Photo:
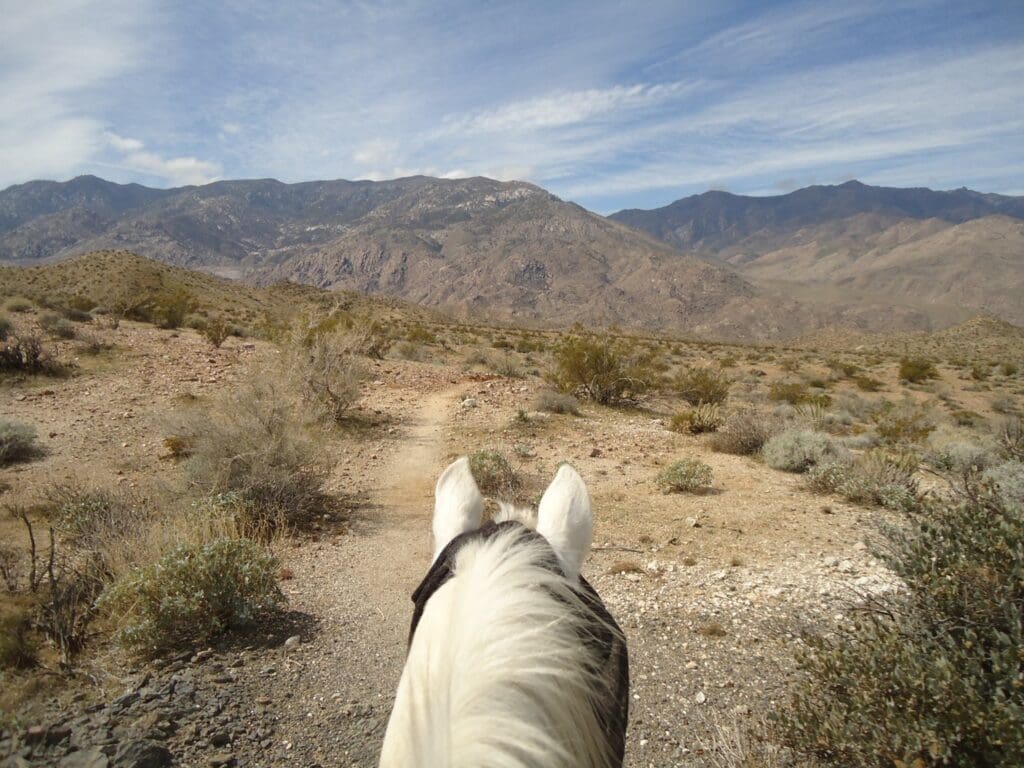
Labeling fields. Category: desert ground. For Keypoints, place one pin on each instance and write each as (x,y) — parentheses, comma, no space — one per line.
(715,590)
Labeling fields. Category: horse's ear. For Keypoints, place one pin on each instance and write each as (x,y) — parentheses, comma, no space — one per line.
(564,519)
(458,505)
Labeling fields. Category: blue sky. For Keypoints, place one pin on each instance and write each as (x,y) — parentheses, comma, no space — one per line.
(609,104)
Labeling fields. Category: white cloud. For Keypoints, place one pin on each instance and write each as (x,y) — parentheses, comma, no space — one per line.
(176,171)
(53,55)
(566,108)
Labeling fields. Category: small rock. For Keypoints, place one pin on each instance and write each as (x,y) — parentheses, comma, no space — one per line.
(693,522)
(292,643)
(595,453)
(202,655)
(221,759)
(85,758)
(220,739)
(142,754)
(700,698)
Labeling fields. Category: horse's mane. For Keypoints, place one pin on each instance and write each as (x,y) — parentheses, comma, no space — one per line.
(510,666)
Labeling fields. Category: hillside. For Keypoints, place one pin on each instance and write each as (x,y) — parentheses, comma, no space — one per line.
(948,255)
(512,251)
(120,278)
(500,248)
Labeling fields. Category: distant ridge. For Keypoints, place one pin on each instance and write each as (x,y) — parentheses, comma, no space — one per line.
(514,250)
(948,254)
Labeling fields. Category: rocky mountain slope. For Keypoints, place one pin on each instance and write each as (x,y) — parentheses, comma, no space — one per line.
(946,254)
(501,249)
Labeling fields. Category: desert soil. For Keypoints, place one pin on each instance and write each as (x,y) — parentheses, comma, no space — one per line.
(714,591)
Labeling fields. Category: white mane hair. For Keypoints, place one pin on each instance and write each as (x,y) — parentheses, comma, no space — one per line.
(499,673)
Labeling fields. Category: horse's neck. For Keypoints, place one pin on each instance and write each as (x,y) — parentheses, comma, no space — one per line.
(497,674)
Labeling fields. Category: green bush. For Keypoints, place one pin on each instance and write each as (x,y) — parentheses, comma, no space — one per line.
(876,478)
(903,423)
(557,402)
(1011,439)
(699,386)
(796,393)
(704,418)
(194,594)
(744,432)
(600,369)
(932,676)
(917,369)
(57,325)
(492,472)
(17,442)
(216,331)
(172,307)
(797,450)
(687,475)
(18,305)
(867,383)
(1007,479)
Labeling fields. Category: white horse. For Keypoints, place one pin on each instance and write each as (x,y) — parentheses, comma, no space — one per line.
(513,660)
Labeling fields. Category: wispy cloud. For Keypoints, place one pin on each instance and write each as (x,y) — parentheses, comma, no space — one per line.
(603,102)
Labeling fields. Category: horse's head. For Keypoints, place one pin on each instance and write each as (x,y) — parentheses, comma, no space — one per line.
(563,516)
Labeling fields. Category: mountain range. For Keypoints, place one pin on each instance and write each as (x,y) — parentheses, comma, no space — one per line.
(715,264)
(946,254)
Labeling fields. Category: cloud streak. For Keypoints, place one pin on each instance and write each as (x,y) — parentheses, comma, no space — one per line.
(600,102)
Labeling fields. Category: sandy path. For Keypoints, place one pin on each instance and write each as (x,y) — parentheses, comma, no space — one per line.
(332,696)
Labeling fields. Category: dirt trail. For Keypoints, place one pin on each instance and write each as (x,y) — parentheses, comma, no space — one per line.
(332,696)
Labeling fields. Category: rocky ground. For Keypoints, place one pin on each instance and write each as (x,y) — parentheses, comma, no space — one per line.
(714,591)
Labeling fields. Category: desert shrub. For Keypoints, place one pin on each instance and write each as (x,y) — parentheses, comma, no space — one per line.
(826,477)
(57,325)
(81,304)
(17,645)
(216,331)
(250,442)
(881,478)
(557,402)
(5,328)
(409,350)
(599,368)
(96,518)
(744,432)
(797,450)
(794,393)
(960,458)
(192,595)
(966,418)
(904,423)
(76,315)
(17,442)
(867,383)
(171,307)
(1008,369)
(687,475)
(980,371)
(1003,404)
(1007,479)
(492,472)
(930,676)
(329,376)
(26,353)
(418,334)
(506,365)
(18,304)
(703,385)
(1011,439)
(706,417)
(917,369)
